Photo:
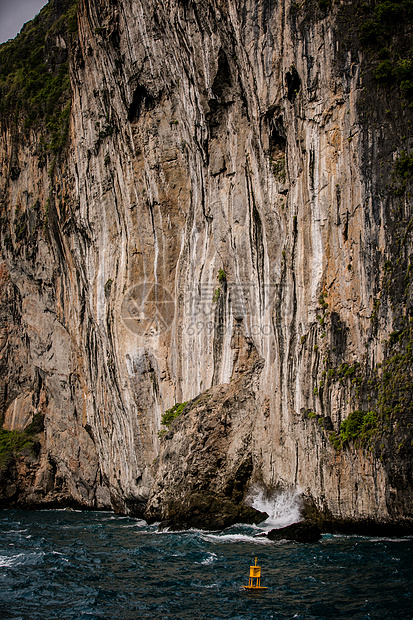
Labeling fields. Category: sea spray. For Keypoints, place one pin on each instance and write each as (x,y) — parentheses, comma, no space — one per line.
(283,508)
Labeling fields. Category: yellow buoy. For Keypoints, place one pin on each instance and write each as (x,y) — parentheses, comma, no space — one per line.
(255,578)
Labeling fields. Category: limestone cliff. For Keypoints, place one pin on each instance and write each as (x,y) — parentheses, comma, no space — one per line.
(228,216)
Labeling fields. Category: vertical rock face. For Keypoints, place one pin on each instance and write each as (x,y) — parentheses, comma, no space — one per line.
(219,203)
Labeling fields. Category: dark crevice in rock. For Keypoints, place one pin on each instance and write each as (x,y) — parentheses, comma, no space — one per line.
(235,487)
(220,325)
(345,229)
(292,344)
(277,141)
(141,100)
(293,83)
(222,83)
(338,339)
(256,233)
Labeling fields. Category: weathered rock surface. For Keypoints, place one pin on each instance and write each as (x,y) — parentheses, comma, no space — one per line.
(205,464)
(228,135)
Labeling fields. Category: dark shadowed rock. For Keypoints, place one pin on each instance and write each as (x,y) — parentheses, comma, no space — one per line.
(305,531)
(378,526)
(209,512)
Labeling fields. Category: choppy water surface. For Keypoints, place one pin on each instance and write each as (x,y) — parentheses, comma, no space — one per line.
(71,565)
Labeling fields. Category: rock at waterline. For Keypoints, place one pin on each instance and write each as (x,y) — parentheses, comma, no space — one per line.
(304,531)
(209,512)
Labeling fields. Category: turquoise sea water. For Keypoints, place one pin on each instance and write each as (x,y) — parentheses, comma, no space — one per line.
(70,565)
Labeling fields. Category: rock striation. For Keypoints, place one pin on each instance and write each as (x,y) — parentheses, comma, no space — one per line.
(226,222)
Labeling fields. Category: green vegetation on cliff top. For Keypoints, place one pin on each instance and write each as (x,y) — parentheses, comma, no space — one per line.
(34,73)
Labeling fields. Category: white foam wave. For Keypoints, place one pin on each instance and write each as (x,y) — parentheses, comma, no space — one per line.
(7,561)
(282,508)
(137,523)
(224,538)
(212,557)
(212,585)
(167,530)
